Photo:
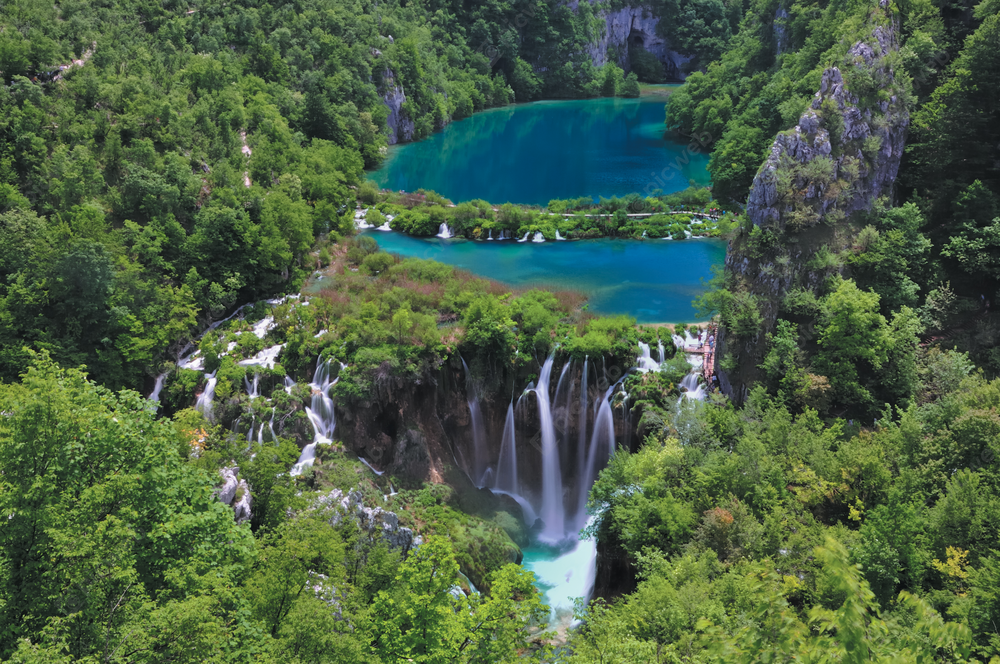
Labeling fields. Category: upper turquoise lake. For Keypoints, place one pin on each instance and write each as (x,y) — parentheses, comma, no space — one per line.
(533,153)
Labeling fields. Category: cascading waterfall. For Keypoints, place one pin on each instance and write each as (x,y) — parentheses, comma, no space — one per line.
(553,511)
(253,389)
(645,360)
(526,236)
(204,403)
(691,388)
(538,237)
(321,415)
(559,237)
(444,232)
(663,354)
(480,471)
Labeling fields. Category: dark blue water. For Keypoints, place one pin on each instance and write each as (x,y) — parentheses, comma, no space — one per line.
(532,153)
(652,280)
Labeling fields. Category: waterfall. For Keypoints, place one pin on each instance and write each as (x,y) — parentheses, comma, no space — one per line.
(691,389)
(204,402)
(444,232)
(253,390)
(321,415)
(384,227)
(158,387)
(602,446)
(480,463)
(289,384)
(525,238)
(490,236)
(552,499)
(659,347)
(559,237)
(581,446)
(538,237)
(506,479)
(645,360)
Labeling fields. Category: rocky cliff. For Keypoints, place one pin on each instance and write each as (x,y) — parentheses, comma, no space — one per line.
(400,125)
(819,176)
(633,26)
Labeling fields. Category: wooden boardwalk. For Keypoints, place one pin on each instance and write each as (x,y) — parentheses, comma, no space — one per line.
(707,351)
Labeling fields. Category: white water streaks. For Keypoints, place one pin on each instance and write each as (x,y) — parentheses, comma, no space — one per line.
(266,358)
(444,232)
(506,477)
(158,387)
(559,237)
(645,362)
(538,237)
(553,510)
(479,472)
(384,227)
(204,403)
(321,415)
(691,388)
(253,389)
(525,238)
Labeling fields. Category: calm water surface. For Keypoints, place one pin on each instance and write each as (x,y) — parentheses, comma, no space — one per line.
(653,280)
(532,153)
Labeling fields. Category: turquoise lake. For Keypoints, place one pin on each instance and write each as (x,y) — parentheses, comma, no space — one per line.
(532,153)
(653,280)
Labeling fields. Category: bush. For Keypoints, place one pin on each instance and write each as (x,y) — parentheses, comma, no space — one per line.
(377,263)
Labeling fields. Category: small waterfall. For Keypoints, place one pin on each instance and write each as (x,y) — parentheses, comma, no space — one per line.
(289,384)
(321,415)
(553,512)
(663,354)
(204,403)
(384,227)
(253,389)
(691,388)
(480,470)
(538,237)
(444,232)
(158,387)
(645,360)
(265,358)
(506,479)
(270,426)
(525,238)
(559,237)
(490,235)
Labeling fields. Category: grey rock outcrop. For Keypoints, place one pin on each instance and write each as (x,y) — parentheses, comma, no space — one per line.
(400,126)
(843,155)
(235,493)
(634,26)
(374,522)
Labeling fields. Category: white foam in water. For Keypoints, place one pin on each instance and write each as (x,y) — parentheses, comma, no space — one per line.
(563,576)
(384,227)
(538,237)
(265,358)
(263,326)
(444,232)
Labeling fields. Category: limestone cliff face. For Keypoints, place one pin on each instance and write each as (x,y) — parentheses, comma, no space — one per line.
(843,155)
(631,26)
(400,125)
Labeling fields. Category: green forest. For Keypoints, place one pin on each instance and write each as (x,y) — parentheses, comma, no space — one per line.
(179,191)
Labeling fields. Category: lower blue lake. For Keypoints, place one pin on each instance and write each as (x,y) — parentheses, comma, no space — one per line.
(533,153)
(652,280)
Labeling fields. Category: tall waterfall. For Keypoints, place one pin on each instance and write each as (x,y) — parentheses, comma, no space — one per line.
(602,446)
(506,479)
(480,471)
(553,511)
